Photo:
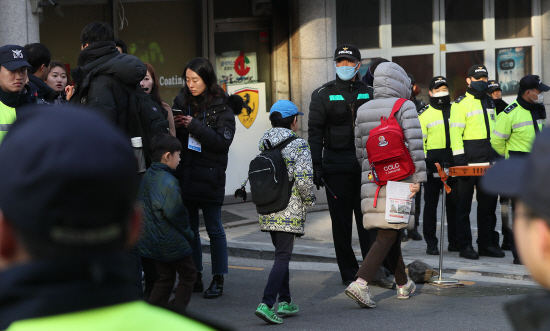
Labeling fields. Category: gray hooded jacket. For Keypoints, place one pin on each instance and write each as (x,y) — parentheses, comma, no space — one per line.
(390,83)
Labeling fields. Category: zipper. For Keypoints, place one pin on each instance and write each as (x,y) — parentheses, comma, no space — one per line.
(274,171)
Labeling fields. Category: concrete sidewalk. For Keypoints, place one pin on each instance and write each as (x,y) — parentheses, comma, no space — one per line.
(244,239)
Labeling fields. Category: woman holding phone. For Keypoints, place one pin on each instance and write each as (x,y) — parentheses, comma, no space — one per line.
(150,85)
(206,129)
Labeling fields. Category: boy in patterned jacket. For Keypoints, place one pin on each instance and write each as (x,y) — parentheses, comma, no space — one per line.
(285,225)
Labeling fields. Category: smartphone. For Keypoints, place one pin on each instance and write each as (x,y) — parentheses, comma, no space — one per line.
(176,112)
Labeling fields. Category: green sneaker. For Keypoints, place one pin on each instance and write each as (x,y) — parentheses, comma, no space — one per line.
(268,314)
(287,308)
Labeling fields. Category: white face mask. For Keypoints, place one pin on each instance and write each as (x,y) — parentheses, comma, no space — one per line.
(440,94)
(540,98)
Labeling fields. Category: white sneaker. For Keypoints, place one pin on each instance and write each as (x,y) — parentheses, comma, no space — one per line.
(404,291)
(360,294)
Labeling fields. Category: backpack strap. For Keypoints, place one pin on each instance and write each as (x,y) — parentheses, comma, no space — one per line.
(282,145)
(397,106)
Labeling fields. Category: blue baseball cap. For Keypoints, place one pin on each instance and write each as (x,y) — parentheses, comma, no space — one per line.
(286,108)
(13,57)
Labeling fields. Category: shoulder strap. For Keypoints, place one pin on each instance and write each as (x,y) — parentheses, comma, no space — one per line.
(397,106)
(286,142)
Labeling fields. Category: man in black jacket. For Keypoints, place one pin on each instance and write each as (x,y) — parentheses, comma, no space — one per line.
(332,114)
(103,76)
(39,59)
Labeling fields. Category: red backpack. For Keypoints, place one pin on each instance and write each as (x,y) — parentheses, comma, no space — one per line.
(387,153)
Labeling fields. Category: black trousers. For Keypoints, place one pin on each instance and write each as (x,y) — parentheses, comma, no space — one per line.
(347,188)
(278,282)
(151,275)
(162,290)
(486,213)
(432,189)
(417,201)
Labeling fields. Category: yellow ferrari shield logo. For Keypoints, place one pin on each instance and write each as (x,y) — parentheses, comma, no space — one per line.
(251,103)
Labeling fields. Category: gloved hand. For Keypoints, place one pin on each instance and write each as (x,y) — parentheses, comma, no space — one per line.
(317,176)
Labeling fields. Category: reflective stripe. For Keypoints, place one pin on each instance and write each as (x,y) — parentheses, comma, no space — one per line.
(522,124)
(336,97)
(425,136)
(501,135)
(363,96)
(460,151)
(490,111)
(541,121)
(458,125)
(474,112)
(434,124)
(479,164)
(5,127)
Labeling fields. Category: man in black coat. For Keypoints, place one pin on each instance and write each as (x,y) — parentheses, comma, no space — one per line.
(332,115)
(39,58)
(104,77)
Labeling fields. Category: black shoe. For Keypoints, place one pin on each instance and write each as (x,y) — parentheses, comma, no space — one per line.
(199,285)
(216,288)
(432,250)
(517,261)
(384,283)
(469,253)
(414,235)
(506,246)
(491,251)
(347,282)
(453,248)
(403,235)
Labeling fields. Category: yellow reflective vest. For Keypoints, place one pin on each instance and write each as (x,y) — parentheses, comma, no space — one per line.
(514,129)
(135,316)
(7,117)
(435,125)
(471,129)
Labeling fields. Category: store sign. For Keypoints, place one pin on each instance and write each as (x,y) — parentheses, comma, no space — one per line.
(171,81)
(236,68)
(251,100)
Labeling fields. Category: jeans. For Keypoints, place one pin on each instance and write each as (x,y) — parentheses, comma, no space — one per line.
(278,282)
(214,228)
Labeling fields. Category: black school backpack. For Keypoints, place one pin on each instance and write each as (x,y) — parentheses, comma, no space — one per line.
(269,183)
(145,119)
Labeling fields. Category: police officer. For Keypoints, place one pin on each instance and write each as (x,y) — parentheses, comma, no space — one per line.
(434,119)
(495,92)
(13,77)
(471,123)
(332,114)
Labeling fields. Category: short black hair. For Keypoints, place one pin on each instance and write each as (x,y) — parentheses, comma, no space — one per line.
(522,91)
(37,55)
(122,45)
(162,143)
(277,120)
(97,31)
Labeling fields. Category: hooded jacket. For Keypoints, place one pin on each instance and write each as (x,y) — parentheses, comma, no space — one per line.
(202,174)
(297,156)
(166,234)
(103,77)
(390,84)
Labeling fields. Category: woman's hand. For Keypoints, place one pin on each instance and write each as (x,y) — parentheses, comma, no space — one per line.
(180,120)
(69,91)
(414,187)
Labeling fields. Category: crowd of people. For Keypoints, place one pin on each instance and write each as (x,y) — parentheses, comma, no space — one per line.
(98,244)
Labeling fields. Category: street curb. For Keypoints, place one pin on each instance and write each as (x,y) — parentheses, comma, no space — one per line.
(299,257)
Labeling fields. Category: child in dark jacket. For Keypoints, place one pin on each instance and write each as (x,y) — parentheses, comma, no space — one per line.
(166,233)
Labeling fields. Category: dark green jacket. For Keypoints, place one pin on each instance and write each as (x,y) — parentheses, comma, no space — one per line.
(166,234)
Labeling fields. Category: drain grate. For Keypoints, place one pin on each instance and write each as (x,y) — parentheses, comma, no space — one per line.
(226,218)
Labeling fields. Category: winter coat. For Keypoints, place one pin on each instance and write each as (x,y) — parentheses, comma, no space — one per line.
(297,156)
(202,174)
(40,92)
(103,77)
(166,234)
(531,313)
(390,83)
(332,114)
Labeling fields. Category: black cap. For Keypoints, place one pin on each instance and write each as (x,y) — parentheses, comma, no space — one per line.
(411,77)
(347,51)
(477,71)
(437,81)
(68,177)
(493,86)
(524,177)
(533,81)
(13,57)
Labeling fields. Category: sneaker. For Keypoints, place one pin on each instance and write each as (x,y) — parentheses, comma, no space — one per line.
(287,308)
(404,291)
(268,314)
(360,294)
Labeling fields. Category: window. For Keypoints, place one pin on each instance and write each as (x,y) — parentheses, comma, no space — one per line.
(463,21)
(457,70)
(411,25)
(358,23)
(512,19)
(421,67)
(512,64)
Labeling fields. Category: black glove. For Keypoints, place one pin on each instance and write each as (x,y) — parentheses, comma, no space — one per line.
(317,176)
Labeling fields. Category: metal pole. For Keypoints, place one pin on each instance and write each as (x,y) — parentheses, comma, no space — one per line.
(439,279)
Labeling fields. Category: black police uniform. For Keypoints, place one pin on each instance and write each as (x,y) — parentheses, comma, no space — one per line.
(332,115)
